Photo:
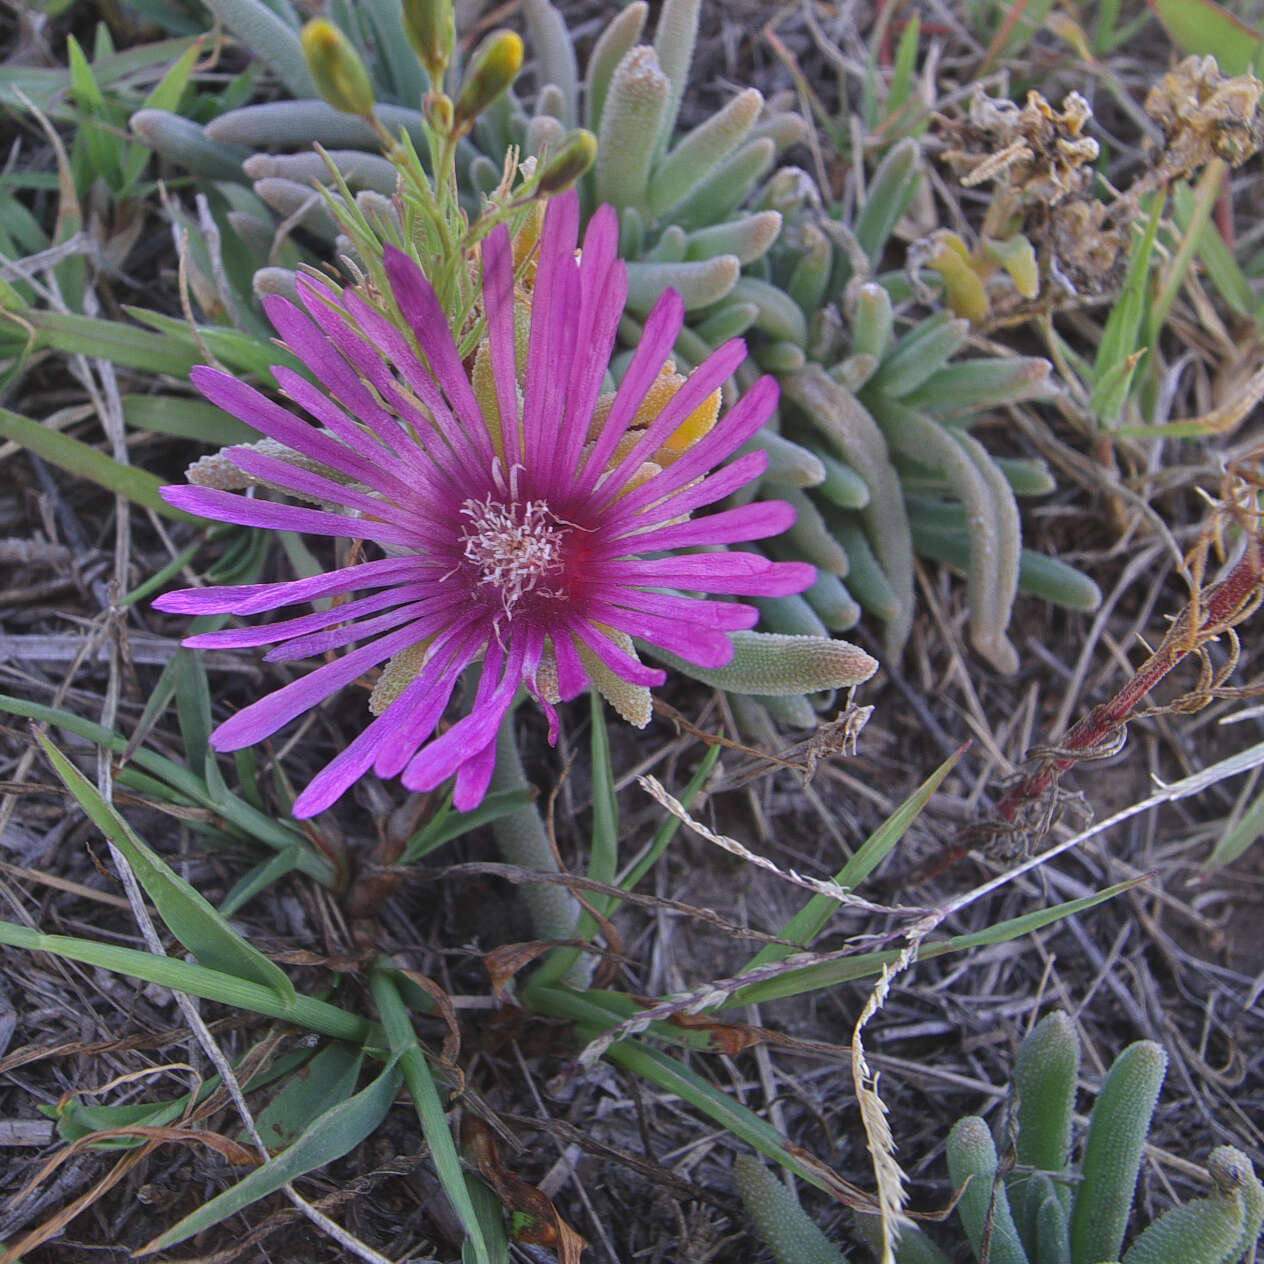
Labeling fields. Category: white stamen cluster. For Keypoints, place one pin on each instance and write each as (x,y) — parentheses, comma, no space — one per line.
(514,545)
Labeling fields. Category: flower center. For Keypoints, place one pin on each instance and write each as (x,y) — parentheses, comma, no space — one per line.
(514,547)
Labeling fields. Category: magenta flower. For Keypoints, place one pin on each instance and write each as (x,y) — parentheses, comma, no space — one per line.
(518,545)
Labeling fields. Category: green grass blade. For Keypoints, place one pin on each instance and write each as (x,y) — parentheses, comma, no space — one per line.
(430,1112)
(335,1133)
(808,922)
(85,461)
(444,826)
(826,974)
(328,1077)
(196,923)
(196,980)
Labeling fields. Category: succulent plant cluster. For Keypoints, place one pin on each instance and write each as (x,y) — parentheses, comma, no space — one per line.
(1045,1211)
(872,439)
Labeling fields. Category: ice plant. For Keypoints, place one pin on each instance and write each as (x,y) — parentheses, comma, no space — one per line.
(538,548)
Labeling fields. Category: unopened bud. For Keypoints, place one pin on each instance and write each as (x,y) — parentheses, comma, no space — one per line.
(336,67)
(432,33)
(492,68)
(568,162)
(437,109)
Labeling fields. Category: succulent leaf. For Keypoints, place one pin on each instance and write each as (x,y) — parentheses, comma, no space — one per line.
(972,1157)
(555,51)
(697,154)
(1045,1075)
(887,198)
(184,141)
(749,238)
(769,663)
(269,38)
(634,111)
(1112,1152)
(611,47)
(699,283)
(729,186)
(784,1226)
(674,40)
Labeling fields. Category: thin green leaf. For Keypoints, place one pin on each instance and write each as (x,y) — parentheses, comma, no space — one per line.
(329,1077)
(430,1112)
(812,978)
(809,921)
(85,461)
(1236,839)
(196,980)
(195,922)
(188,418)
(193,707)
(1202,27)
(444,826)
(113,340)
(335,1133)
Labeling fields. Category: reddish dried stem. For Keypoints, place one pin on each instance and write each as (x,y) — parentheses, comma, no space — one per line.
(1219,607)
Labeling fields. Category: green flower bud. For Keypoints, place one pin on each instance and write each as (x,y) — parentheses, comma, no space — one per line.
(493,67)
(432,33)
(336,67)
(568,162)
(437,109)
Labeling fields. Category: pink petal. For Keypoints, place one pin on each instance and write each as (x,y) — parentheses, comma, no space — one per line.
(428,615)
(747,574)
(261,719)
(730,526)
(621,663)
(572,676)
(498,306)
(705,491)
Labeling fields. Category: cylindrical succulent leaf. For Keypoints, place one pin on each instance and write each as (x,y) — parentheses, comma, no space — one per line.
(914,1247)
(779,1220)
(810,533)
(181,140)
(1112,1152)
(872,320)
(973,386)
(784,129)
(1201,1231)
(697,154)
(788,463)
(779,315)
(280,124)
(359,169)
(1053,1246)
(855,437)
(611,47)
(1230,1170)
(767,663)
(972,1157)
(923,350)
(670,246)
(699,284)
(791,616)
(555,55)
(810,278)
(731,320)
(887,197)
(749,238)
(729,186)
(269,38)
(544,135)
(866,580)
(791,711)
(634,110)
(674,40)
(288,197)
(780,357)
(832,603)
(842,485)
(1045,1075)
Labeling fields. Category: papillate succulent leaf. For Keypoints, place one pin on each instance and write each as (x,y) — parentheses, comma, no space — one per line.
(779,316)
(790,616)
(1045,1075)
(697,154)
(181,140)
(926,348)
(277,124)
(766,663)
(991,517)
(810,278)
(1112,1151)
(842,485)
(788,463)
(729,186)
(674,40)
(972,1158)
(810,534)
(855,437)
(784,129)
(699,284)
(1201,1231)
(791,711)
(269,38)
(866,580)
(887,198)
(780,357)
(832,603)
(289,198)
(974,386)
(872,322)
(670,246)
(730,320)
(555,52)
(1230,1169)
(748,238)
(544,135)
(634,110)
(1052,1244)
(358,169)
(611,47)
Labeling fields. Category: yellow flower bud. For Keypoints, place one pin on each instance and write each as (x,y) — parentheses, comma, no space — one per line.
(432,33)
(336,67)
(493,67)
(568,162)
